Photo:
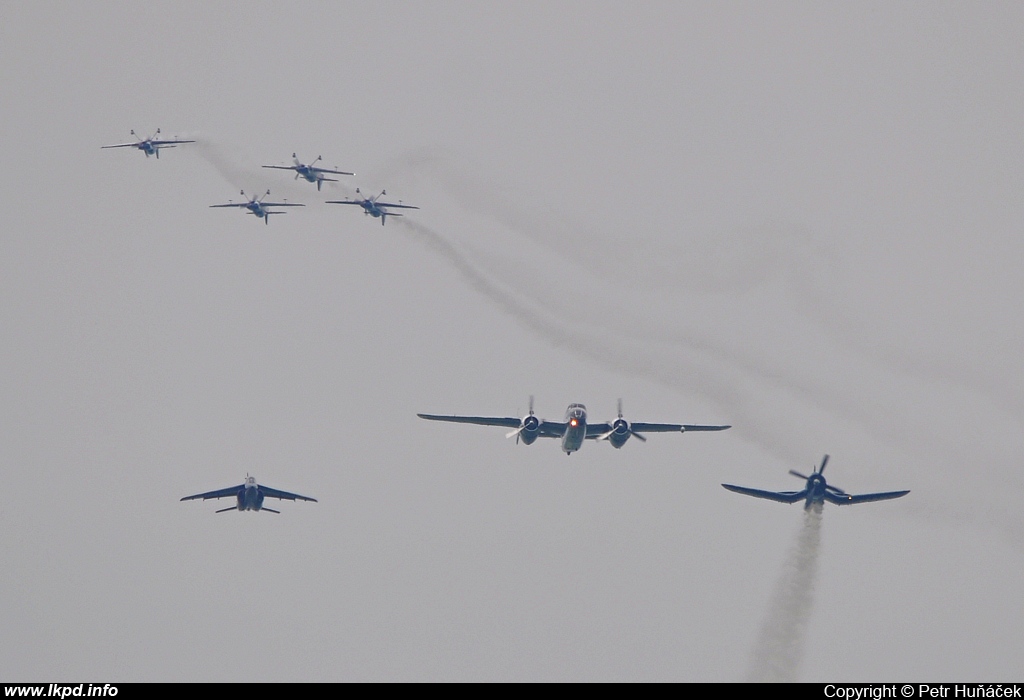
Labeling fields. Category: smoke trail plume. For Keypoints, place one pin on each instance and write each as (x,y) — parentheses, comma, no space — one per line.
(704,371)
(779,647)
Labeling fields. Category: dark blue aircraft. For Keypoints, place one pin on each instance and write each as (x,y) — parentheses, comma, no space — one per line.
(374,207)
(150,146)
(817,491)
(258,207)
(249,495)
(309,172)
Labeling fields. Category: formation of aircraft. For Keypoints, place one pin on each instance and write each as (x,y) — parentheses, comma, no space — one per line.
(258,207)
(816,491)
(373,206)
(249,496)
(574,429)
(310,172)
(150,146)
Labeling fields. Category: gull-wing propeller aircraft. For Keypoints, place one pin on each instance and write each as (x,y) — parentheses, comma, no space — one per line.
(249,496)
(309,172)
(816,492)
(574,429)
(373,206)
(150,146)
(258,207)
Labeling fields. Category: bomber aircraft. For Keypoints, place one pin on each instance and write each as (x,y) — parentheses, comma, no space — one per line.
(574,429)
(150,146)
(309,172)
(816,492)
(258,207)
(249,496)
(373,206)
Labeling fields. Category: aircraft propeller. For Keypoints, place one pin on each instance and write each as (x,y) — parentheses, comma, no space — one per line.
(817,471)
(530,422)
(622,427)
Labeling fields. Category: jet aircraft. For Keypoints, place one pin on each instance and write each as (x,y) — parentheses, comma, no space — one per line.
(574,429)
(816,492)
(150,146)
(258,207)
(309,172)
(249,496)
(374,207)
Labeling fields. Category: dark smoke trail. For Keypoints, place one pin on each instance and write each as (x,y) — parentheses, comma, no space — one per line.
(702,370)
(779,647)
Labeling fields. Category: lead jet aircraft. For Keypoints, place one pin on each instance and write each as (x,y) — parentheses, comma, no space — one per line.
(150,146)
(258,207)
(249,495)
(309,172)
(374,207)
(574,429)
(816,492)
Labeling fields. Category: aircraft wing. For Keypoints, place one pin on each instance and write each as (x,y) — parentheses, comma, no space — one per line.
(282,167)
(672,427)
(284,495)
(344,201)
(237,204)
(121,145)
(332,172)
(781,496)
(845,499)
(280,204)
(167,143)
(395,206)
(221,493)
(549,428)
(475,420)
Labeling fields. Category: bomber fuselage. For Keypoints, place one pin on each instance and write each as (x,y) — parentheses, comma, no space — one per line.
(575,428)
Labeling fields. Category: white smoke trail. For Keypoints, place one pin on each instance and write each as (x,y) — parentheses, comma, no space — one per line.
(779,647)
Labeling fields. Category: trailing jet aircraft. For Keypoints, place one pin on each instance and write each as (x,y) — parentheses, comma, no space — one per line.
(258,207)
(574,429)
(150,146)
(249,495)
(309,172)
(374,207)
(816,492)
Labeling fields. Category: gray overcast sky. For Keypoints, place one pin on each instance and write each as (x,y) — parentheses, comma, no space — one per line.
(800,219)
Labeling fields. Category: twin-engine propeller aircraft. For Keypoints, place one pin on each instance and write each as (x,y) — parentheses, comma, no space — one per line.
(249,495)
(309,172)
(574,429)
(374,207)
(258,207)
(150,146)
(816,492)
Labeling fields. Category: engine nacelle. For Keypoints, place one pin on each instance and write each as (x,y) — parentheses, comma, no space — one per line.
(620,433)
(530,430)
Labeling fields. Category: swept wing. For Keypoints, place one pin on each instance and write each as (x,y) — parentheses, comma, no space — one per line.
(229,492)
(284,495)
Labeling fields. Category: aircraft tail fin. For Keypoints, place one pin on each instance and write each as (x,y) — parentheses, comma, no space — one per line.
(271,510)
